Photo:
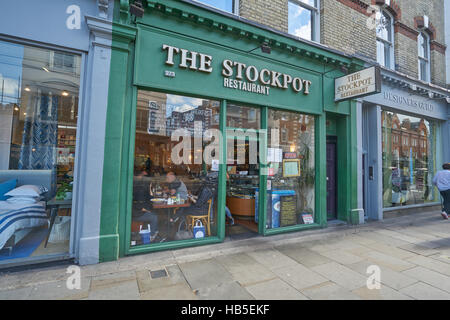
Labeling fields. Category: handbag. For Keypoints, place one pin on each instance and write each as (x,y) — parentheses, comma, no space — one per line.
(199,229)
(183,234)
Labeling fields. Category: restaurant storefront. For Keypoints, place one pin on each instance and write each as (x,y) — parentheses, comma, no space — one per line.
(218,127)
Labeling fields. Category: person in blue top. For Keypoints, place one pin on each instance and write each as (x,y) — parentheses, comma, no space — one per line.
(442,181)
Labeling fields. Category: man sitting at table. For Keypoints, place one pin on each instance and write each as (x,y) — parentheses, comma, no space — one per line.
(141,203)
(176,186)
(199,206)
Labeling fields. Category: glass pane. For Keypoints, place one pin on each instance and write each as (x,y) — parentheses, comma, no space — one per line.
(381,53)
(387,55)
(300,21)
(175,182)
(226,5)
(310,2)
(423,70)
(38,128)
(242,168)
(291,173)
(409,155)
(383,26)
(421,43)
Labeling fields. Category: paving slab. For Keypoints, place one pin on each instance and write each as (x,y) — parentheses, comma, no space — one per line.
(303,255)
(329,291)
(384,293)
(393,263)
(127,290)
(423,291)
(342,257)
(430,277)
(176,292)
(271,258)
(398,235)
(441,256)
(205,273)
(146,283)
(58,291)
(391,250)
(112,279)
(15,294)
(431,264)
(419,249)
(341,275)
(224,291)
(245,269)
(275,289)
(388,277)
(299,276)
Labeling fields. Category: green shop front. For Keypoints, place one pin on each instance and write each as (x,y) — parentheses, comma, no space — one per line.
(218,128)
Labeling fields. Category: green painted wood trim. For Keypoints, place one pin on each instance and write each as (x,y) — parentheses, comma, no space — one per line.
(222,193)
(173,245)
(320,212)
(263,167)
(298,227)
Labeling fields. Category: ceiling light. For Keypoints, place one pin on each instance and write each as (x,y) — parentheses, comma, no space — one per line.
(65,93)
(45,69)
(27,89)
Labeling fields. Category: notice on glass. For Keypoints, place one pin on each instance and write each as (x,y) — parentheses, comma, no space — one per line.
(215,165)
(274,155)
(307,218)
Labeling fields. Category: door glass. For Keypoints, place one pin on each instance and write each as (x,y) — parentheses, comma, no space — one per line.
(242,169)
(291,169)
(175,168)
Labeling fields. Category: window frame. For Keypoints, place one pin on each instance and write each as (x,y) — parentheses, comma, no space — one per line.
(426,60)
(315,18)
(386,42)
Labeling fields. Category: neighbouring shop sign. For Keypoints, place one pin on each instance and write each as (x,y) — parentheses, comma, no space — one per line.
(358,84)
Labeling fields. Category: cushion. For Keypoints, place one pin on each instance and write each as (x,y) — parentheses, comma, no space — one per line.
(27,190)
(6,187)
(22,200)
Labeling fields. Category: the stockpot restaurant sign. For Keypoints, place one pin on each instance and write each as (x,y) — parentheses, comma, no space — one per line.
(183,65)
(358,84)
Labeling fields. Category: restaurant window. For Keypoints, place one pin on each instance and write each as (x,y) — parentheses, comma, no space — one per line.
(408,168)
(291,169)
(230,6)
(384,31)
(424,56)
(175,179)
(303,19)
(38,129)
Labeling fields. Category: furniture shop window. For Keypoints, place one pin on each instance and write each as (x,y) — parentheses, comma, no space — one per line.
(303,19)
(384,31)
(231,6)
(408,168)
(38,129)
(423,42)
(175,181)
(291,169)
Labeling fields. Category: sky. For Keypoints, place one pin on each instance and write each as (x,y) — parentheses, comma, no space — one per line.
(300,20)
(226,5)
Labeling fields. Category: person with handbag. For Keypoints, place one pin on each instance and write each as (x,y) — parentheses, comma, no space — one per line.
(442,181)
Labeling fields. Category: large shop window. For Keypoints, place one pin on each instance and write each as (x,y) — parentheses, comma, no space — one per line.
(38,127)
(303,18)
(291,169)
(175,181)
(409,159)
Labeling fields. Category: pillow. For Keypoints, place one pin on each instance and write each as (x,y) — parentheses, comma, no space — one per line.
(27,190)
(22,200)
(6,187)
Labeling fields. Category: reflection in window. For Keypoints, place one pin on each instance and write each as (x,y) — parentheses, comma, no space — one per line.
(409,155)
(302,16)
(38,128)
(291,173)
(174,184)
(225,5)
(424,60)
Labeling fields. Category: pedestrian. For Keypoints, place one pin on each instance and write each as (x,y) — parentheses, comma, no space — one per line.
(442,181)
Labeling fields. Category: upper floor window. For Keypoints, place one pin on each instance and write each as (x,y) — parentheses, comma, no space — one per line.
(303,19)
(230,6)
(385,47)
(423,42)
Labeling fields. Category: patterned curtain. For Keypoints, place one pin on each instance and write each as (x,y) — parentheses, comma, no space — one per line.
(39,140)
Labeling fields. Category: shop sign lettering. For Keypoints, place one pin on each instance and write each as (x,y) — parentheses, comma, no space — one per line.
(237,75)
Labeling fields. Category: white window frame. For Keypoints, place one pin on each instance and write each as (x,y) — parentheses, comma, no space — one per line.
(235,6)
(386,42)
(426,38)
(315,17)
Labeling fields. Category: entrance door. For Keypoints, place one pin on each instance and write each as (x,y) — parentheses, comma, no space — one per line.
(331,178)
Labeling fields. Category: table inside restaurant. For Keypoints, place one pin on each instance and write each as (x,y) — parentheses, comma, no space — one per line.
(171,208)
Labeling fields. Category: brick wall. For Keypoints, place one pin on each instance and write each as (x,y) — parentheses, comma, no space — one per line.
(273,13)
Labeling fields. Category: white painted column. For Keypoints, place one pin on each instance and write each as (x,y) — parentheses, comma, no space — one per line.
(91,143)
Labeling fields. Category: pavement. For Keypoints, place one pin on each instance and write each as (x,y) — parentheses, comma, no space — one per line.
(411,253)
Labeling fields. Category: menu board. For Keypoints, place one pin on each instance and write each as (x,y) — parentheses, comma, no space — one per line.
(291,168)
(288,215)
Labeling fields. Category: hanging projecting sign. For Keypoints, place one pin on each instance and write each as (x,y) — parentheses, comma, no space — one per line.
(358,84)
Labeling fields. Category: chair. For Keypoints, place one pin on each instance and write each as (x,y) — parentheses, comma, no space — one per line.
(205,219)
